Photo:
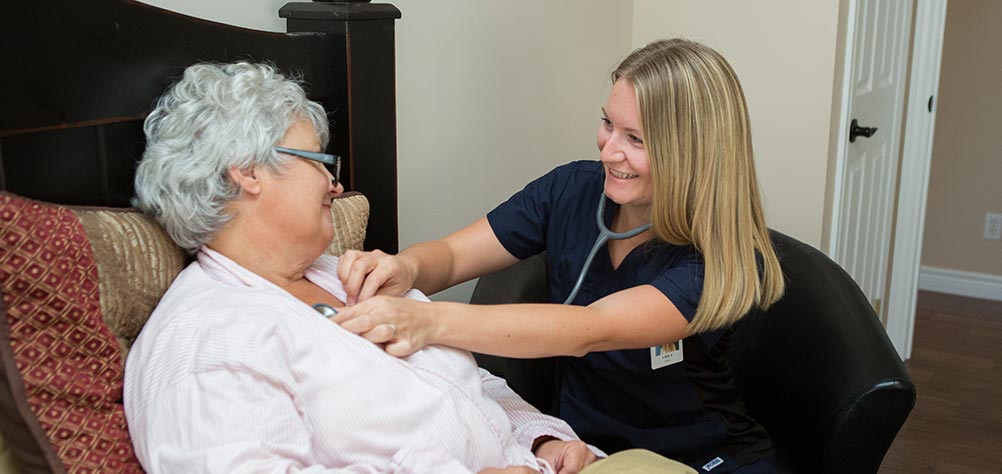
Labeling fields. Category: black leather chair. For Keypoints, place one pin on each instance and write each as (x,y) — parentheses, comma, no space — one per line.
(816,369)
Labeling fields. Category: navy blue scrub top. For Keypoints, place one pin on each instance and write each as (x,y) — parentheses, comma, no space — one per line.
(615,399)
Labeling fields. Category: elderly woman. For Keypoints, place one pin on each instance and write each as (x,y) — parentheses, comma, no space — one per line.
(235,370)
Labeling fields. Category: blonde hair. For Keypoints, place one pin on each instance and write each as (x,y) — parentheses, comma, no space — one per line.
(698,139)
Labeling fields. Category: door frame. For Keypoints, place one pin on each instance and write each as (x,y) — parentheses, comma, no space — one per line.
(920,124)
(916,155)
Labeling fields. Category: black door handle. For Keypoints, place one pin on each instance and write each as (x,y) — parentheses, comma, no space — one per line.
(856,131)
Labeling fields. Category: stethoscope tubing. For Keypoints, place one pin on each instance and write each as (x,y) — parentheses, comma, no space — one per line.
(604,235)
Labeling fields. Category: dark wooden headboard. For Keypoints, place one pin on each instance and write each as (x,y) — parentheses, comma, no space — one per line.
(80,76)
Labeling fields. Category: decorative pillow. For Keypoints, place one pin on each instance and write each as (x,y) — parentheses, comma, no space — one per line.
(65,359)
(78,284)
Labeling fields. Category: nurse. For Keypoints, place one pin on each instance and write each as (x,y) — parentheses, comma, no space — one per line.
(647,336)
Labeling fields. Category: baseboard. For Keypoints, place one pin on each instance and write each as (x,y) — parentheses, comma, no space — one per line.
(957,282)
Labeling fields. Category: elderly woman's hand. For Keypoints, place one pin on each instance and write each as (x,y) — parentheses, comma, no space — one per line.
(403,325)
(566,457)
(366,274)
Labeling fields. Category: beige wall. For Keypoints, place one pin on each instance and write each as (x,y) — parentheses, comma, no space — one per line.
(966,175)
(491,95)
(256,14)
(784,52)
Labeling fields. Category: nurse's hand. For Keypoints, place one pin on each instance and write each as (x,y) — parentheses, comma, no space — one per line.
(366,274)
(566,457)
(403,325)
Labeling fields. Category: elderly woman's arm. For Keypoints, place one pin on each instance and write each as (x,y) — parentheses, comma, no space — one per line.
(548,437)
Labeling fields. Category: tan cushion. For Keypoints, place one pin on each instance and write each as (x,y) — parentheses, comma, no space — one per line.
(351,216)
(136,263)
(637,461)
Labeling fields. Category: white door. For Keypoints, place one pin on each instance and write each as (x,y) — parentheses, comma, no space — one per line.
(864,202)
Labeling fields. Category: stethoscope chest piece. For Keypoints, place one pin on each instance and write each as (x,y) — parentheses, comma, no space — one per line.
(326,310)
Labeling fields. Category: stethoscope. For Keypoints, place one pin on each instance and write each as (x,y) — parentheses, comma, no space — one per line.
(604,235)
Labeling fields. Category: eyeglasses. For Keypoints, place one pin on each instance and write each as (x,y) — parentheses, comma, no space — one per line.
(331,162)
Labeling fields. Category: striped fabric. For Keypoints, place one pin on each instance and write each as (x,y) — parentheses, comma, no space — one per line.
(350,214)
(136,262)
(232,374)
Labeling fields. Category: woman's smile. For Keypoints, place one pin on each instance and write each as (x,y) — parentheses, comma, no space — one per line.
(621,175)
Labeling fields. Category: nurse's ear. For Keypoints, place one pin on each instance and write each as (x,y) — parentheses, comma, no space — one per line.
(248,179)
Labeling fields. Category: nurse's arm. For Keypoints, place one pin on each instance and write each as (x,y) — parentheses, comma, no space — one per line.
(428,266)
(635,318)
(461,256)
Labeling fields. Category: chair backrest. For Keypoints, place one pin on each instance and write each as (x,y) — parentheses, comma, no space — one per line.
(525,282)
(816,369)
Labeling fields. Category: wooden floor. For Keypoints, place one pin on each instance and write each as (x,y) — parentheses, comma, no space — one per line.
(956,365)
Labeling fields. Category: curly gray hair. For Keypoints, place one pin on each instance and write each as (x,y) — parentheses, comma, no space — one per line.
(215,117)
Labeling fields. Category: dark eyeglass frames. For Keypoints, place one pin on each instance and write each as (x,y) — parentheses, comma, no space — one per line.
(331,162)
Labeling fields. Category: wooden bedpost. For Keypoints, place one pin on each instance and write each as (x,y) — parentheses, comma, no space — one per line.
(363,131)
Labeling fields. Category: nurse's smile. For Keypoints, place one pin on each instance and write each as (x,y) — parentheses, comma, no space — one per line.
(617,174)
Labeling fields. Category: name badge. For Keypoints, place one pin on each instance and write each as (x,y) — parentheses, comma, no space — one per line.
(666,354)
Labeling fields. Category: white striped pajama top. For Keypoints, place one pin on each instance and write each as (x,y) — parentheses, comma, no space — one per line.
(233,374)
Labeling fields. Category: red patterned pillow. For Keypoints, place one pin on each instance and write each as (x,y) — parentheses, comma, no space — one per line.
(55,347)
